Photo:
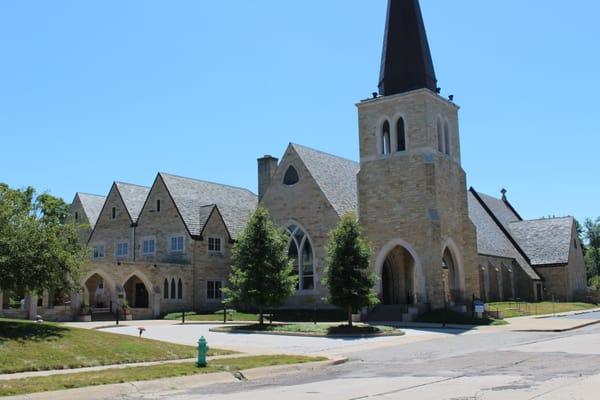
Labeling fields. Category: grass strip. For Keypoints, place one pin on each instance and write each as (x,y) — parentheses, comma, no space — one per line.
(512,309)
(320,329)
(26,346)
(135,374)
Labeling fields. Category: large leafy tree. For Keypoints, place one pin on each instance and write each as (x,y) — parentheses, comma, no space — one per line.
(592,255)
(262,274)
(39,249)
(347,274)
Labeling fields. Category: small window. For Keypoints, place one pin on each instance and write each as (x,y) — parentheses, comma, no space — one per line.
(166,289)
(114,213)
(180,290)
(76,216)
(177,244)
(122,249)
(447,138)
(157,205)
(440,136)
(98,252)
(101,285)
(291,176)
(173,289)
(148,247)
(214,245)
(213,290)
(385,139)
(401,135)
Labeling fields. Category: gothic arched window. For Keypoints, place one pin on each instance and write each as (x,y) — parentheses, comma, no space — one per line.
(401,135)
(447,137)
(385,139)
(301,252)
(440,136)
(166,289)
(291,176)
(173,288)
(179,290)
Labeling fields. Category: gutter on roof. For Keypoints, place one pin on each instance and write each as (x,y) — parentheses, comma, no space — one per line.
(499,224)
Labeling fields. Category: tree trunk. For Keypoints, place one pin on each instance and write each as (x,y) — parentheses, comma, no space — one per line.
(350,316)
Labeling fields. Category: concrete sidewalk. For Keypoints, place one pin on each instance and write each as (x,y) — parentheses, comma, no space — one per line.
(175,386)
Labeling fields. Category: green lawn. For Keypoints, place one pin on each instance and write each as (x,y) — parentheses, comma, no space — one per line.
(451,317)
(26,346)
(83,379)
(319,329)
(518,309)
(217,317)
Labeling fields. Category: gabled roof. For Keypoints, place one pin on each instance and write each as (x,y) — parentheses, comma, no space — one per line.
(493,237)
(134,197)
(501,209)
(193,199)
(546,241)
(336,176)
(92,205)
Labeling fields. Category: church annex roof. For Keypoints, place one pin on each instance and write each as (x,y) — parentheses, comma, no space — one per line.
(493,237)
(336,176)
(196,200)
(134,197)
(92,206)
(546,241)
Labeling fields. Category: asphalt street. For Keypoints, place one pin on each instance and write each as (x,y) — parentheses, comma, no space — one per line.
(487,365)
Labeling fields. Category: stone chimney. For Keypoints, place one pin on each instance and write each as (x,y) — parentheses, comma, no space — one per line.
(267,166)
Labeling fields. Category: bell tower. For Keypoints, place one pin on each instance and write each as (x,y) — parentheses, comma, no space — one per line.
(412,189)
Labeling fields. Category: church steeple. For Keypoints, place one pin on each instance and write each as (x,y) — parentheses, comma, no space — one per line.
(406,62)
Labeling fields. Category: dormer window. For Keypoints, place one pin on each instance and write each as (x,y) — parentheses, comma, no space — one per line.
(291,176)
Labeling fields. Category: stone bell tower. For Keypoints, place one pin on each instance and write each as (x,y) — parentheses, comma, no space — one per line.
(411,187)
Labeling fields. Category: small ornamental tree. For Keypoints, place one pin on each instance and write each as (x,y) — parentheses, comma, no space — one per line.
(262,273)
(347,272)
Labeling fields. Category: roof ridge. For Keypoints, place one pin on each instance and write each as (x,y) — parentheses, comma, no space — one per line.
(570,217)
(323,152)
(90,194)
(209,182)
(131,184)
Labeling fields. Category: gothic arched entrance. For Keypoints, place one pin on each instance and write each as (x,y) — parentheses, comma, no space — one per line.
(398,280)
(136,293)
(451,277)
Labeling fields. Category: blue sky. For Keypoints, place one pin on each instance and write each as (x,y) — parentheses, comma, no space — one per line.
(97,91)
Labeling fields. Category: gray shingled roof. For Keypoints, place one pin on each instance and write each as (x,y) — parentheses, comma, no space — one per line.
(500,209)
(336,176)
(92,205)
(491,240)
(134,197)
(545,241)
(193,196)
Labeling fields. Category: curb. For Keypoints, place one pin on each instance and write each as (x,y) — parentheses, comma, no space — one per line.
(177,384)
(573,328)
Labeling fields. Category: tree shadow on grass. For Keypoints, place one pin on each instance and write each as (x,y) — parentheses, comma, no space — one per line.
(23,332)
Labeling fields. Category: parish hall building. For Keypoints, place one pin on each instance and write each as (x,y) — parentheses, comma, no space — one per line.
(435,243)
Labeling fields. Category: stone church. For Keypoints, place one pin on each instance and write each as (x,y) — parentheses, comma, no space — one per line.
(435,243)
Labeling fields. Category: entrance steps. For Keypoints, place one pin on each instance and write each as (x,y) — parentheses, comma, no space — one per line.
(394,313)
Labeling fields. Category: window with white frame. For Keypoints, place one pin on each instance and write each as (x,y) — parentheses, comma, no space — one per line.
(148,247)
(214,245)
(301,253)
(177,244)
(214,290)
(122,250)
(98,251)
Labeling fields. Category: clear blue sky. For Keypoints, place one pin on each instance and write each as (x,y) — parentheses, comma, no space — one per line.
(97,91)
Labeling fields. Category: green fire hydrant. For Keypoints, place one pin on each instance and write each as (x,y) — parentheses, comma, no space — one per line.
(202,351)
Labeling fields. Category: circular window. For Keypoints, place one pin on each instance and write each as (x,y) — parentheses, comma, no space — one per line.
(291,177)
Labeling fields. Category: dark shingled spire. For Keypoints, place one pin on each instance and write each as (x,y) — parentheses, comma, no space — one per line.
(406,62)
